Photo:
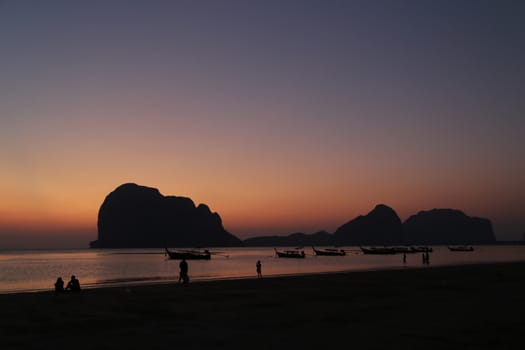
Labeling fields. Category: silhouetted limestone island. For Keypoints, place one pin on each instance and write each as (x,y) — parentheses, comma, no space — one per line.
(134,216)
(381,226)
(447,226)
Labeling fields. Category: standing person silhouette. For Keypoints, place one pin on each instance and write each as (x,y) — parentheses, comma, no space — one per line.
(258,266)
(183,274)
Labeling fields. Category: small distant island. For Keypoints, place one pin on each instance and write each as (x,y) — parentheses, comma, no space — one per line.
(135,216)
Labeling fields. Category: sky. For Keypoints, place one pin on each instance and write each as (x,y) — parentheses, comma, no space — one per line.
(282,116)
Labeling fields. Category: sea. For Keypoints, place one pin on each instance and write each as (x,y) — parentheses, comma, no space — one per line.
(37,270)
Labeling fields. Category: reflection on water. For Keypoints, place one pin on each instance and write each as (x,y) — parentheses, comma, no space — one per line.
(37,270)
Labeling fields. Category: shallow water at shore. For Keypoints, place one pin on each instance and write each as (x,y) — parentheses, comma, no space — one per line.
(37,270)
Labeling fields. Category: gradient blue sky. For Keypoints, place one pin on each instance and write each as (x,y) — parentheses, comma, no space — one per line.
(282,116)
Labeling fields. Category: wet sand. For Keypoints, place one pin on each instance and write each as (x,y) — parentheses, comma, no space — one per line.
(461,307)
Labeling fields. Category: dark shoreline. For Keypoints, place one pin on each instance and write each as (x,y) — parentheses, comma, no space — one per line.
(137,282)
(134,282)
(477,306)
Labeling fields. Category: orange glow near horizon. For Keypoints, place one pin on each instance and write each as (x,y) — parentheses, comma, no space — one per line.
(275,130)
(245,214)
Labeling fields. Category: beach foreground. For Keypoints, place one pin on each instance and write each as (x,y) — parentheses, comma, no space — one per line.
(460,307)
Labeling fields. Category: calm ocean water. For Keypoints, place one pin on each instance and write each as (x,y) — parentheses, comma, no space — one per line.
(38,270)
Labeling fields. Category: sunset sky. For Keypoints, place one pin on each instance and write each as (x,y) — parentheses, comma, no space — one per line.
(282,116)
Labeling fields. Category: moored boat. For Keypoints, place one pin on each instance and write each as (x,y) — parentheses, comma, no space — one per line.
(191,254)
(289,253)
(421,249)
(461,248)
(378,250)
(329,252)
(412,249)
(402,249)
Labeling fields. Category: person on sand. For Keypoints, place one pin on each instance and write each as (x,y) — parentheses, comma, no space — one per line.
(59,285)
(73,284)
(258,266)
(183,274)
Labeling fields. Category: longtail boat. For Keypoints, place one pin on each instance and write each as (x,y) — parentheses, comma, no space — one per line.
(378,250)
(461,248)
(191,254)
(329,251)
(289,253)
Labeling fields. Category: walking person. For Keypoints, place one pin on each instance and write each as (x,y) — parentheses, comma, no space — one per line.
(183,274)
(258,266)
(404,258)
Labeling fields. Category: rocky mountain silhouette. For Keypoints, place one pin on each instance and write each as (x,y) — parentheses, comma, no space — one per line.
(381,226)
(447,226)
(134,216)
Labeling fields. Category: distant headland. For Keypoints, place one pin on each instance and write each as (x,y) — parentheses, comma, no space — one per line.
(382,226)
(134,216)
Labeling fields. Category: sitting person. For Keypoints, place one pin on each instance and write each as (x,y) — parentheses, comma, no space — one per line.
(59,285)
(73,285)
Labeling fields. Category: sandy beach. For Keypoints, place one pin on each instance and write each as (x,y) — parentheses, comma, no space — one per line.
(459,307)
